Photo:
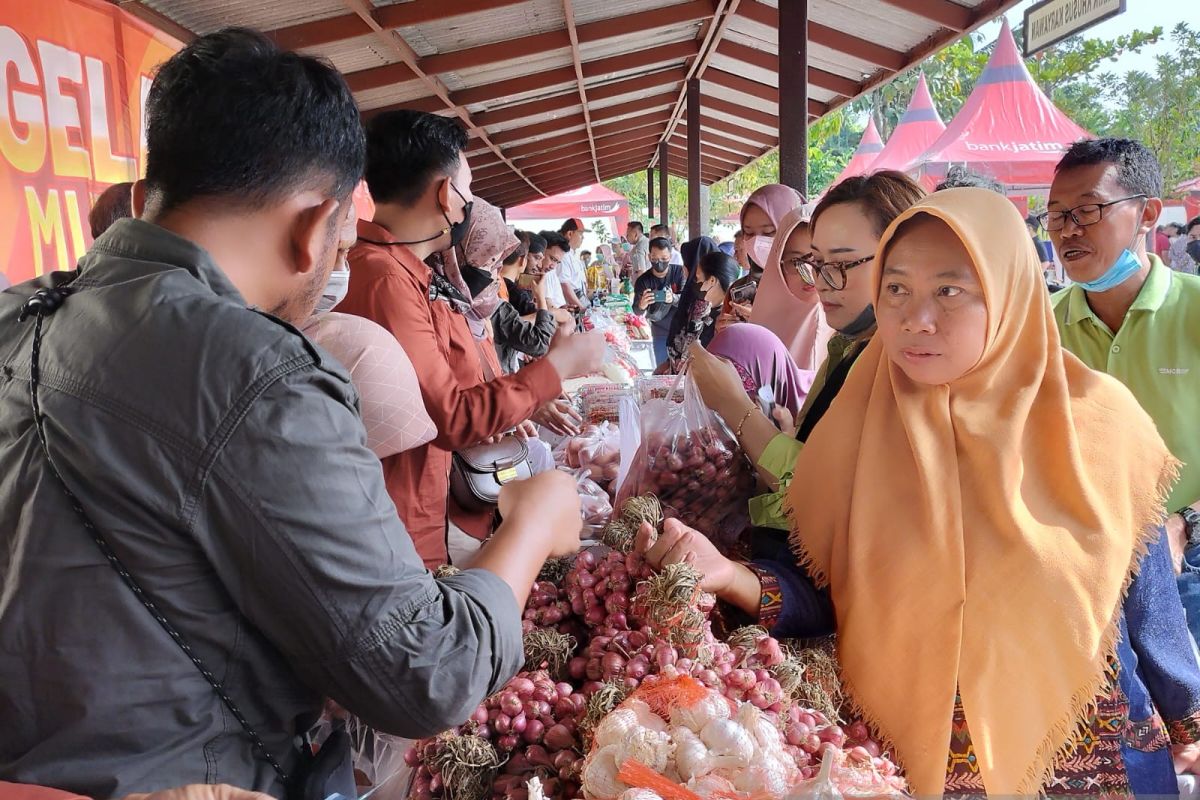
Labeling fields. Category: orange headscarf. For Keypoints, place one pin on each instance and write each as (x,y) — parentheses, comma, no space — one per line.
(980,536)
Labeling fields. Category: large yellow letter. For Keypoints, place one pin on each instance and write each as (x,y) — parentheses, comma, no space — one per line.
(26,153)
(46,228)
(106,166)
(60,64)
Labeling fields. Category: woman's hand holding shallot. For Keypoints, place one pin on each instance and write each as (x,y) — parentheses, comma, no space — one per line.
(679,543)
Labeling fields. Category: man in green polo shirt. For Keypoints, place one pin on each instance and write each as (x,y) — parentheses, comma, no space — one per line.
(1128,314)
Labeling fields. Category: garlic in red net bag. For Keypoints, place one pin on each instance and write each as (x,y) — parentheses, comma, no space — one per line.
(689,459)
(680,740)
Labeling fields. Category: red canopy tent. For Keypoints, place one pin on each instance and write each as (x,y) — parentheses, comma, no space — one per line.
(919,128)
(589,202)
(1007,129)
(862,162)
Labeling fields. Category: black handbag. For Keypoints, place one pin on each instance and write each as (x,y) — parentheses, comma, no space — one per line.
(322,770)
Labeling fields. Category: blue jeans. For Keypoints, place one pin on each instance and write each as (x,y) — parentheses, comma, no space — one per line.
(1189,589)
(660,351)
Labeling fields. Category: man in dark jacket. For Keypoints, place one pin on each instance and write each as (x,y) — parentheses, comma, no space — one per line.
(656,294)
(220,455)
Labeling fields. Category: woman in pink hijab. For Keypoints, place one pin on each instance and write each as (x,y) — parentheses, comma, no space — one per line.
(771,219)
(393,412)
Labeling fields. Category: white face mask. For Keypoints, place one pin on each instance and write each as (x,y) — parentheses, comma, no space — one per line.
(335,290)
(760,250)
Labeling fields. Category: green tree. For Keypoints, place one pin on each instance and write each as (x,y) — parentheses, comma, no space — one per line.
(1160,109)
(1163,109)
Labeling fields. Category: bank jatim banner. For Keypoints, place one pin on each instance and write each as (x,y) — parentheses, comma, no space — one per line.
(74,75)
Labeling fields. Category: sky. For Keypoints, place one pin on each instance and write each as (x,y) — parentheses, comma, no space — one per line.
(1139,15)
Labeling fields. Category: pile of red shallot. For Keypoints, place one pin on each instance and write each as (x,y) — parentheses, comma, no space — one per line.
(598,626)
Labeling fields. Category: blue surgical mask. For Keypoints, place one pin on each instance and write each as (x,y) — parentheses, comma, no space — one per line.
(1125,267)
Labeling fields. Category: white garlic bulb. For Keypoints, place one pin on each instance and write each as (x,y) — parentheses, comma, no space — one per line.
(639,794)
(600,775)
(691,756)
(713,706)
(711,785)
(724,737)
(766,734)
(645,715)
(615,727)
(647,747)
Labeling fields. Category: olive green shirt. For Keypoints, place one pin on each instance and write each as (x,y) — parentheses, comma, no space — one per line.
(779,456)
(1156,353)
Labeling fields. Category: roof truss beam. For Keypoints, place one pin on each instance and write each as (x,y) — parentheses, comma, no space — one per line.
(400,15)
(564,101)
(482,55)
(862,49)
(944,13)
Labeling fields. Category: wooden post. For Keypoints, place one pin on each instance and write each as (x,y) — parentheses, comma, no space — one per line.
(693,153)
(793,93)
(664,204)
(649,194)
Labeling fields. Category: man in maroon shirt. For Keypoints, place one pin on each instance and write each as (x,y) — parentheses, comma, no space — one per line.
(421,185)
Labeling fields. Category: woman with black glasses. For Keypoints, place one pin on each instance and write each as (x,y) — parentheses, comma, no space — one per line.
(846,227)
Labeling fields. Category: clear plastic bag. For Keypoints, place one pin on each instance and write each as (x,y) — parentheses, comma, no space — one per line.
(595,504)
(596,448)
(692,463)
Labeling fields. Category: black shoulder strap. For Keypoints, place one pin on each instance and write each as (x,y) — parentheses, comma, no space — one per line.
(833,384)
(42,304)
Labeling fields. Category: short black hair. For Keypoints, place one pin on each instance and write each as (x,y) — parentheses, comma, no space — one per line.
(537,243)
(660,227)
(1193,222)
(635,224)
(1033,221)
(234,117)
(407,151)
(722,267)
(660,243)
(520,251)
(959,177)
(555,239)
(1138,170)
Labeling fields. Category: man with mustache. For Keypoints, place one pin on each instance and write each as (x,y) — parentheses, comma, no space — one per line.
(1128,314)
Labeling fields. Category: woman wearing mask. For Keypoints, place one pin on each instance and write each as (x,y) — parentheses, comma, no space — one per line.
(846,227)
(761,214)
(985,512)
(714,274)
(487,250)
(389,395)
(691,252)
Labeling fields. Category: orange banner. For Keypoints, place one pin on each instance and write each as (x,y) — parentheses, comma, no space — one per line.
(74,75)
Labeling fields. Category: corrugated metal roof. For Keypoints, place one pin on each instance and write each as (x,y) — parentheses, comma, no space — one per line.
(206,16)
(390,95)
(496,25)
(352,55)
(526,93)
(592,10)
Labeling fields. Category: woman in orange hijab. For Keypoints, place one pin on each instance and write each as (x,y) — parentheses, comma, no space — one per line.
(984,513)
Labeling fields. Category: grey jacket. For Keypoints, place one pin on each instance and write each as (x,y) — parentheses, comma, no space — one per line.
(222,455)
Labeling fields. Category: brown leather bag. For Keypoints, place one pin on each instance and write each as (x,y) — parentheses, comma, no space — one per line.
(478,473)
